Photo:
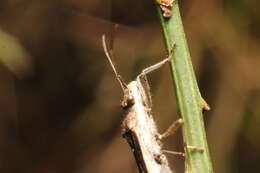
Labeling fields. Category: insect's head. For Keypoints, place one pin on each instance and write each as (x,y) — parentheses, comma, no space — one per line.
(128,99)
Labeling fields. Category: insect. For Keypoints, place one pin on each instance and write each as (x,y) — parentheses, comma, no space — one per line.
(166,7)
(138,127)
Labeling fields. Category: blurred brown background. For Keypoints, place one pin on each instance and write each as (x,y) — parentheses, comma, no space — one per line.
(59,100)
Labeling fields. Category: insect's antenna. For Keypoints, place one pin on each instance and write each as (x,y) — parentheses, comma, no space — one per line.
(109,55)
(112,38)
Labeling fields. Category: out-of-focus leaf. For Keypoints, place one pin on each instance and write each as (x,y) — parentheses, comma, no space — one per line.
(14,56)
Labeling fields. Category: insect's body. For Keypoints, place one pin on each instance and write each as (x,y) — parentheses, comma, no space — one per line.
(138,126)
(140,131)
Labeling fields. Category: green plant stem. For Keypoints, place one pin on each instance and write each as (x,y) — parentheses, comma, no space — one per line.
(189,100)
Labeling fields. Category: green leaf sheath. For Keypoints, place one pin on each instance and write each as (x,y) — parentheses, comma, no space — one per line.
(189,100)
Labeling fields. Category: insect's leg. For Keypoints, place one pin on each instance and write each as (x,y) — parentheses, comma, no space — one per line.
(172,129)
(193,148)
(159,64)
(159,158)
(174,153)
(154,67)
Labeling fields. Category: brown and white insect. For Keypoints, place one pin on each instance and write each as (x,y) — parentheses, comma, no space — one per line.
(138,127)
(166,6)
